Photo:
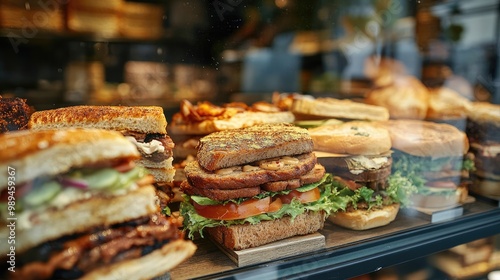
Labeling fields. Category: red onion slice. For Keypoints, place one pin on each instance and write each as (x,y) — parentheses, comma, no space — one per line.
(74,183)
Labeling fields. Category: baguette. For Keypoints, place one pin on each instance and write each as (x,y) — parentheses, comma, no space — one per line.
(239,237)
(339,109)
(240,146)
(142,119)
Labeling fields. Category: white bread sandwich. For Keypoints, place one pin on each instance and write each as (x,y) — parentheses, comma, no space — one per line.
(331,108)
(77,206)
(256,185)
(433,156)
(358,155)
(145,126)
(483,132)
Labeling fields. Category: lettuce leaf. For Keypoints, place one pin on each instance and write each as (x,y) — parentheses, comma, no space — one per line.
(194,222)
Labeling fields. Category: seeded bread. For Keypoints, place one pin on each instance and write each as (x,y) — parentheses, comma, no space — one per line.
(236,177)
(142,119)
(239,237)
(240,146)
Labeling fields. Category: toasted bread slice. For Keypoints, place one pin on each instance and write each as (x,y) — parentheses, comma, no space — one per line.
(250,175)
(239,237)
(143,119)
(241,146)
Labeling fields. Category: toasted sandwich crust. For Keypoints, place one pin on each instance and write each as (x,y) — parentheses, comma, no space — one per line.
(50,152)
(199,177)
(239,237)
(143,119)
(240,146)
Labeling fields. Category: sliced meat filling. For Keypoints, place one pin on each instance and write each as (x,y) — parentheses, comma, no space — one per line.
(146,145)
(72,256)
(225,194)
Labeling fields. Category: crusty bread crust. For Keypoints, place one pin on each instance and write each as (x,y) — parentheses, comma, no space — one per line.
(427,139)
(243,179)
(240,120)
(484,112)
(149,266)
(365,219)
(355,138)
(239,237)
(51,152)
(144,161)
(340,109)
(82,215)
(406,98)
(240,146)
(143,119)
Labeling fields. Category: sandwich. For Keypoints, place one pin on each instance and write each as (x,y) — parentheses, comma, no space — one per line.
(195,121)
(77,206)
(253,186)
(445,105)
(331,108)
(433,156)
(14,114)
(483,132)
(145,126)
(358,155)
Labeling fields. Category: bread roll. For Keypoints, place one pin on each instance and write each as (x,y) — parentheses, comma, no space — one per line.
(355,138)
(363,219)
(445,103)
(406,98)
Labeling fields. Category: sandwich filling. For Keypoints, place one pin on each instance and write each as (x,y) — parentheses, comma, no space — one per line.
(153,147)
(71,257)
(77,184)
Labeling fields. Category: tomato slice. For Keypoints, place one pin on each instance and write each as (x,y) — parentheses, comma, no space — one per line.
(303,197)
(233,211)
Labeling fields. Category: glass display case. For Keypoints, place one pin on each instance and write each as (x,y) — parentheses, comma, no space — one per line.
(62,53)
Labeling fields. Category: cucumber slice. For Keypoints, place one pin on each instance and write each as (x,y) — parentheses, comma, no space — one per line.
(44,193)
(309,124)
(128,177)
(102,179)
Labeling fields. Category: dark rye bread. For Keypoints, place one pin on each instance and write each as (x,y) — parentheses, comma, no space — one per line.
(239,237)
(237,178)
(240,146)
(225,194)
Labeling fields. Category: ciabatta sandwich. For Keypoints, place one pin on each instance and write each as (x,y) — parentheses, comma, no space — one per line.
(77,206)
(247,183)
(433,156)
(358,155)
(145,126)
(483,132)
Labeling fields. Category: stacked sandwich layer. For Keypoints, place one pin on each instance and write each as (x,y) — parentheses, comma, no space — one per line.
(358,155)
(145,126)
(483,131)
(247,183)
(83,208)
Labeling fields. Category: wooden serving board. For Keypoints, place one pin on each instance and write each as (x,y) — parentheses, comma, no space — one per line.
(292,246)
